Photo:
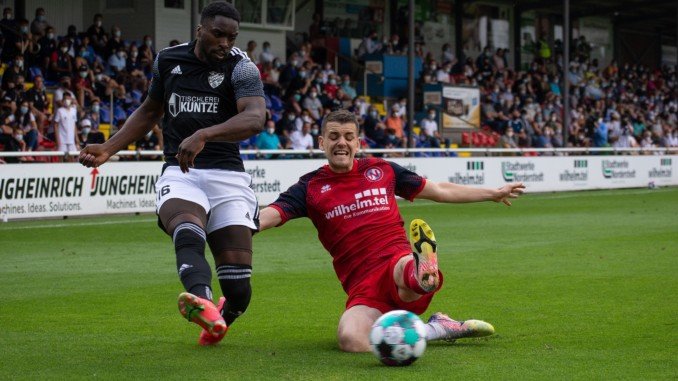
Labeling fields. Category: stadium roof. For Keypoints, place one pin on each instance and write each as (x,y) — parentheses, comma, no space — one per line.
(643,15)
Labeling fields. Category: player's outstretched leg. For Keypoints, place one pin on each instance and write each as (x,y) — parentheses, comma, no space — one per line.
(442,327)
(202,312)
(207,338)
(424,245)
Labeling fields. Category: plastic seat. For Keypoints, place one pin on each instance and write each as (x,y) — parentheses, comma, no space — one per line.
(276,103)
(475,139)
(465,139)
(104,115)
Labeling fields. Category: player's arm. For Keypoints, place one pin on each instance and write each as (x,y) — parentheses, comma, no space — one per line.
(137,125)
(289,205)
(268,218)
(455,193)
(248,122)
(249,92)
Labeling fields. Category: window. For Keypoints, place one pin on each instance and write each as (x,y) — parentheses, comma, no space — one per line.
(119,4)
(175,4)
(279,12)
(275,14)
(250,11)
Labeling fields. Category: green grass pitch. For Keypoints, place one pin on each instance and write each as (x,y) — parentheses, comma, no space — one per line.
(579,285)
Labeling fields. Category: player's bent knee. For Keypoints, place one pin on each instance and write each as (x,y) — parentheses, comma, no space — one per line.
(350,341)
(177,211)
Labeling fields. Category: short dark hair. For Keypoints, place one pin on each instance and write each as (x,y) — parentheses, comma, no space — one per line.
(340,116)
(220,8)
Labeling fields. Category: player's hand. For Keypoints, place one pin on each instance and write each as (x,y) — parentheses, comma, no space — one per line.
(93,155)
(508,191)
(189,149)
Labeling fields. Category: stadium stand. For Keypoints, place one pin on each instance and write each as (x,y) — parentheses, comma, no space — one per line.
(108,75)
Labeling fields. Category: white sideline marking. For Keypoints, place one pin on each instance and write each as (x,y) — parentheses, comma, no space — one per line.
(78,224)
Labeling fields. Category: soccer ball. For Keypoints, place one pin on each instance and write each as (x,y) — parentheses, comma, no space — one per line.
(398,338)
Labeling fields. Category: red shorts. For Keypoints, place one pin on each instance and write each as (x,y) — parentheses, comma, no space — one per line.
(379,290)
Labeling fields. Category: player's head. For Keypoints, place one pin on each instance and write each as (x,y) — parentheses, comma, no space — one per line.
(219,26)
(340,139)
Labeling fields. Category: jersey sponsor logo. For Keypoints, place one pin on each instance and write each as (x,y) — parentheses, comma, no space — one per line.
(192,104)
(215,79)
(176,70)
(374,174)
(367,201)
(325,188)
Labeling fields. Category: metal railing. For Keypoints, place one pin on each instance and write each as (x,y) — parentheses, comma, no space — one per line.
(407,152)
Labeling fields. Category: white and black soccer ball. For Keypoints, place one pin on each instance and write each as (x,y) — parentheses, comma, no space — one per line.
(398,338)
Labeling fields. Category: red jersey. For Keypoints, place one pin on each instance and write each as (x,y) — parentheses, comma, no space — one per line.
(355,213)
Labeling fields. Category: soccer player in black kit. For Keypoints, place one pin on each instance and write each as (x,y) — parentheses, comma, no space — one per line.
(210,97)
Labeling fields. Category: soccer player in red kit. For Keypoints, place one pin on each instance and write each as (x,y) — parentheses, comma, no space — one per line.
(352,204)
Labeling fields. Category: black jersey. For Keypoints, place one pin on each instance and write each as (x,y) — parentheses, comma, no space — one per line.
(196,95)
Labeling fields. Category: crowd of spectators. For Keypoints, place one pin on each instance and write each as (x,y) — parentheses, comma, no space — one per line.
(99,76)
(611,106)
(58,87)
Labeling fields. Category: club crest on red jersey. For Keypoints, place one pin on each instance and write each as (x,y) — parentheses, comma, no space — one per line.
(374,174)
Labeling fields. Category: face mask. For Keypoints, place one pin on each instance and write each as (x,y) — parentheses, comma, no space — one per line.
(297,97)
(121,55)
(8,16)
(431,116)
(434,67)
(99,77)
(374,114)
(294,62)
(50,36)
(67,102)
(19,63)
(333,82)
(83,53)
(292,117)
(24,110)
(83,74)
(148,43)
(302,74)
(134,54)
(95,108)
(314,131)
(86,130)
(117,33)
(98,23)
(64,49)
(41,18)
(24,29)
(313,95)
(19,137)
(271,131)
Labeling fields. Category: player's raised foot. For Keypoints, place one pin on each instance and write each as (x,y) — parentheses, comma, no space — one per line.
(459,329)
(202,312)
(424,245)
(207,338)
